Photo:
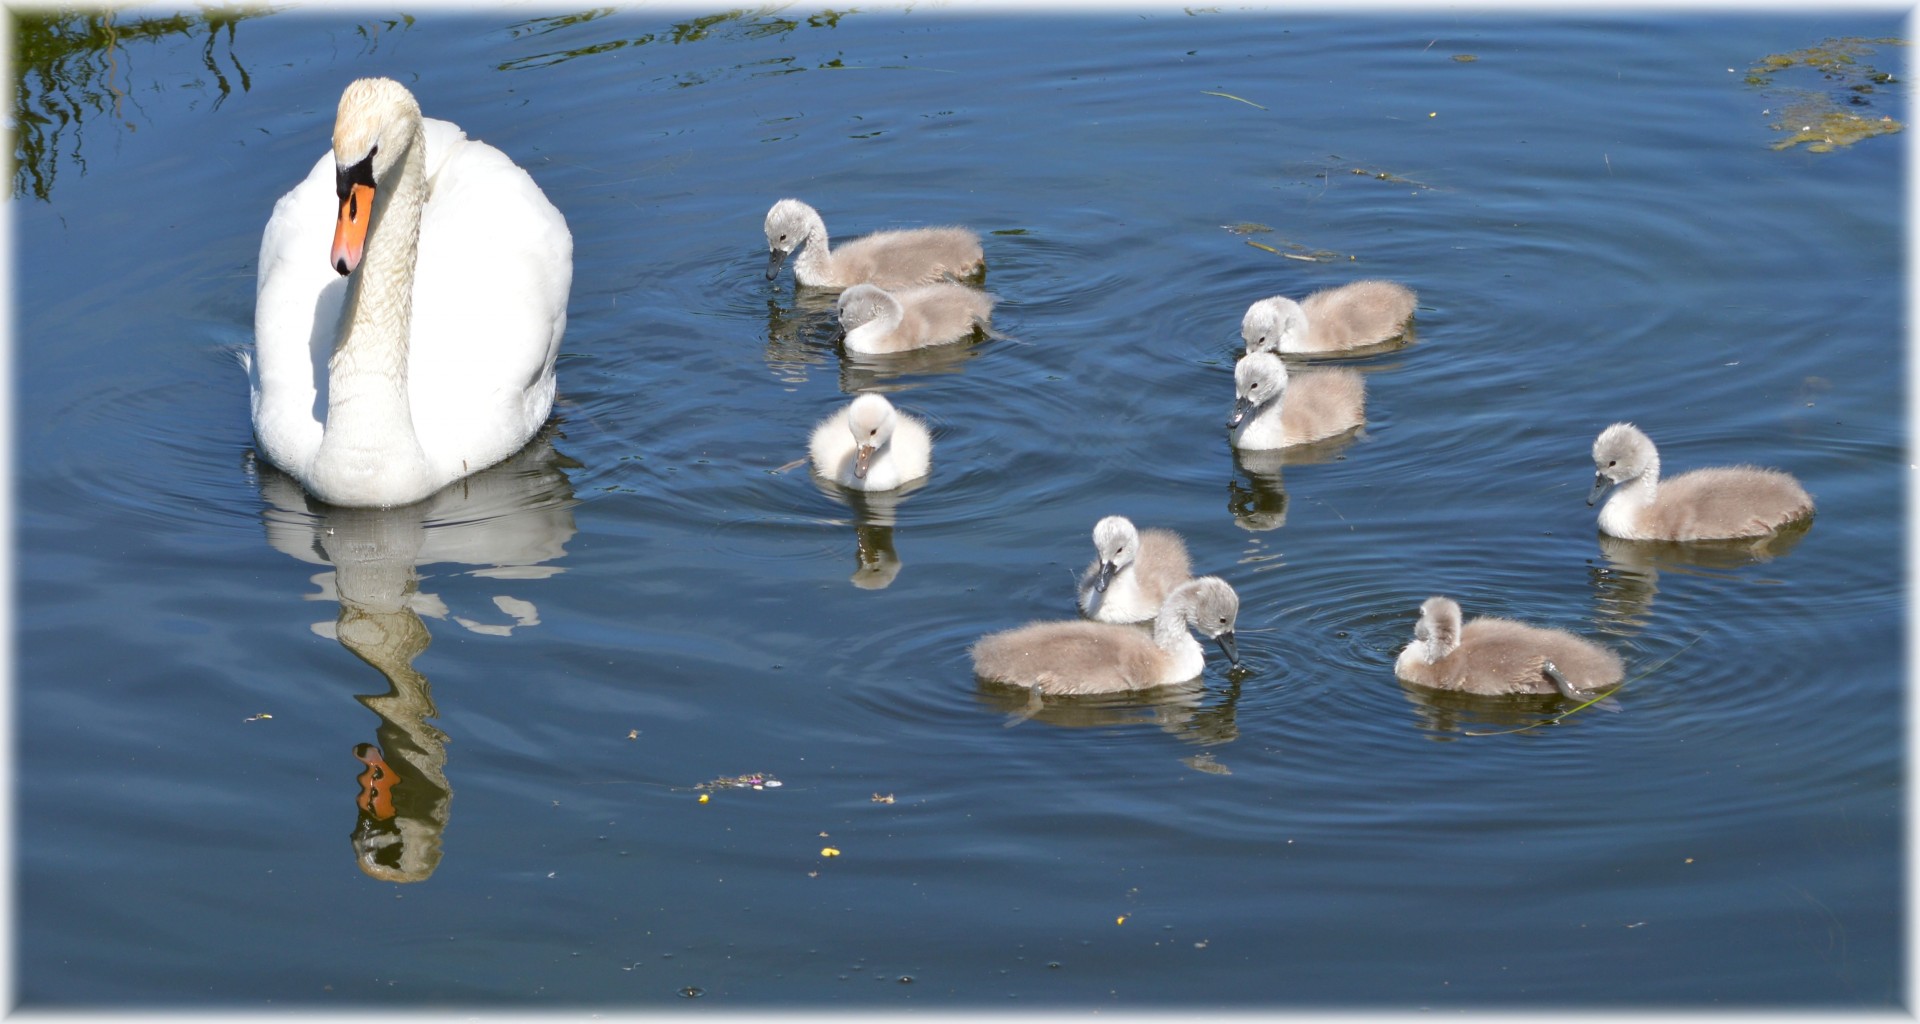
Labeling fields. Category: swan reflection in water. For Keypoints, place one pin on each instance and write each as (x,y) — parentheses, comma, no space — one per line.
(1624,589)
(1261,504)
(507,522)
(876,562)
(1180,710)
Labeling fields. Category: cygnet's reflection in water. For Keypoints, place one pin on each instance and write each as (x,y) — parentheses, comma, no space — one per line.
(1180,710)
(1446,714)
(876,562)
(507,521)
(1261,504)
(1624,589)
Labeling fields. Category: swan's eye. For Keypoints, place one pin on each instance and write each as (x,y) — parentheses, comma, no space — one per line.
(1254,386)
(1612,463)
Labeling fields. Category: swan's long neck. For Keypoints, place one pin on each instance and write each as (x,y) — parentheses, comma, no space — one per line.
(814,256)
(1170,632)
(369,429)
(1620,516)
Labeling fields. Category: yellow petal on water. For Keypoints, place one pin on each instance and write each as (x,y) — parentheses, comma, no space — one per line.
(1122,919)
(703,798)
(828,851)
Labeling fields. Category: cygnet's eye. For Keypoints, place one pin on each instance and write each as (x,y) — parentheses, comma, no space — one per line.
(1612,463)
(1255,386)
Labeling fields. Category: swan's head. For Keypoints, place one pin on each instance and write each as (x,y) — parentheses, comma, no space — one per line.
(1271,324)
(1621,453)
(870,419)
(1437,634)
(378,119)
(864,303)
(1116,543)
(1258,378)
(1211,607)
(788,226)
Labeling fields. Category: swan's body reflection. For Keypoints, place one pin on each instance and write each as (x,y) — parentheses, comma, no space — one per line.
(1625,589)
(1262,505)
(1179,710)
(876,562)
(508,522)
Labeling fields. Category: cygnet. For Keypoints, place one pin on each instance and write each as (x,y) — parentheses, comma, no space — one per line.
(1705,504)
(1351,316)
(890,259)
(1132,572)
(869,446)
(1271,412)
(1501,656)
(878,321)
(1101,657)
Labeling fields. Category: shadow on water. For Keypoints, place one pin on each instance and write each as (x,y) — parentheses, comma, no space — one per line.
(77,67)
(508,522)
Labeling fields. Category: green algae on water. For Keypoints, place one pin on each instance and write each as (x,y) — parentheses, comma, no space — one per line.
(1827,116)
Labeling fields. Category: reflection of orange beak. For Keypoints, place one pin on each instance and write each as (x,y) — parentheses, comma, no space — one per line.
(376,783)
(861,457)
(350,232)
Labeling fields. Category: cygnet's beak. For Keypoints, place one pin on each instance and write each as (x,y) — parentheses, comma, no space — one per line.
(861,457)
(1600,485)
(1228,647)
(1241,407)
(1107,571)
(775,257)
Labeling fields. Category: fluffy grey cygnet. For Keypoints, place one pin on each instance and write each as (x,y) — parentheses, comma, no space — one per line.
(1501,656)
(868,445)
(1273,410)
(1132,572)
(878,321)
(890,259)
(1082,657)
(1705,504)
(1331,320)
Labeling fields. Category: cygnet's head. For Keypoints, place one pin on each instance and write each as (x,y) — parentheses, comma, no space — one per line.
(863,303)
(1271,323)
(1116,543)
(1211,607)
(870,420)
(787,226)
(1622,452)
(377,120)
(1258,378)
(1438,631)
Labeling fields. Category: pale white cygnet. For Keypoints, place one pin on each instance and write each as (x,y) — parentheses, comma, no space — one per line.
(867,445)
(1272,411)
(1501,656)
(890,259)
(1132,572)
(1104,657)
(1331,320)
(1705,504)
(878,321)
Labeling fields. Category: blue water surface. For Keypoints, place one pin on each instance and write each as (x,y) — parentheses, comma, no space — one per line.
(568,658)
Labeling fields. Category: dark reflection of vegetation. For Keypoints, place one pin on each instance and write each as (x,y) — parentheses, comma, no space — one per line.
(1826,118)
(743,23)
(75,66)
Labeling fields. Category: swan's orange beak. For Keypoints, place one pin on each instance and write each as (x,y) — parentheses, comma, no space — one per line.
(350,231)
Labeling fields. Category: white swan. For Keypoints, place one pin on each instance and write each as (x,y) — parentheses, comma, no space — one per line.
(1501,656)
(1103,657)
(1132,572)
(432,357)
(1354,315)
(890,259)
(877,321)
(1717,503)
(1271,411)
(869,446)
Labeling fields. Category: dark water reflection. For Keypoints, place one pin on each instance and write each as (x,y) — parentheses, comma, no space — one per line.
(508,523)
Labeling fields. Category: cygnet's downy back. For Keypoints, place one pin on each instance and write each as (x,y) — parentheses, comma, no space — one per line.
(890,259)
(1132,572)
(877,321)
(1098,657)
(1355,315)
(1716,503)
(1500,656)
(1273,409)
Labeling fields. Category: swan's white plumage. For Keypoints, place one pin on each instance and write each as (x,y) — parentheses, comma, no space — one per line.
(491,276)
